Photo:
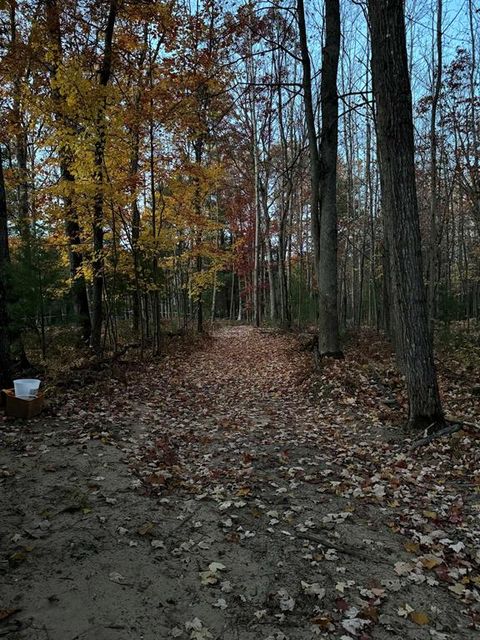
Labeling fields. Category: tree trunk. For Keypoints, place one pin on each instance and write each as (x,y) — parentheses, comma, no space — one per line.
(5,361)
(391,86)
(198,205)
(328,339)
(314,166)
(323,174)
(72,228)
(156,226)
(285,203)
(268,250)
(79,286)
(137,320)
(98,261)
(434,257)
(256,179)
(21,141)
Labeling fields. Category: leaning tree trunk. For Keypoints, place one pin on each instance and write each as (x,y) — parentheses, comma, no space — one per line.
(5,362)
(395,140)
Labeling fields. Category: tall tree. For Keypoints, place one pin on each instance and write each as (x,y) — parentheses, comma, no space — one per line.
(395,143)
(328,339)
(21,51)
(323,172)
(72,226)
(5,362)
(434,234)
(99,161)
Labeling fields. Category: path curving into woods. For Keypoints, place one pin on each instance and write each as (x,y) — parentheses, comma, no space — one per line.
(228,492)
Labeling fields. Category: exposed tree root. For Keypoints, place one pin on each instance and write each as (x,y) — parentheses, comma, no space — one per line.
(445,431)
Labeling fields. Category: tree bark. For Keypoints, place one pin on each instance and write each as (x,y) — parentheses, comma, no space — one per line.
(395,140)
(328,338)
(311,134)
(434,258)
(134,175)
(72,227)
(256,184)
(134,166)
(5,359)
(21,142)
(323,173)
(99,160)
(285,204)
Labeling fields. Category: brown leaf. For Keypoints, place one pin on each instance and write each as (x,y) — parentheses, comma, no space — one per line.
(321,621)
(6,613)
(146,529)
(419,617)
(429,561)
(369,613)
(156,479)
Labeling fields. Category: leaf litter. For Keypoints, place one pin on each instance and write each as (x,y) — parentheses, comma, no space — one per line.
(244,496)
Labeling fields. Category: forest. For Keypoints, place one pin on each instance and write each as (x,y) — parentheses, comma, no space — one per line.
(240,248)
(167,166)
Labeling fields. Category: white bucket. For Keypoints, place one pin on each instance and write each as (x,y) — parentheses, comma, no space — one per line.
(26,388)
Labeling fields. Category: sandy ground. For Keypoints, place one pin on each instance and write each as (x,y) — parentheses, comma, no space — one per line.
(216,497)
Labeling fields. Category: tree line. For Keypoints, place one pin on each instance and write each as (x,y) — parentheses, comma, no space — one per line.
(294,163)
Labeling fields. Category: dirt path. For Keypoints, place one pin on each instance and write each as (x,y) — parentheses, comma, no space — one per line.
(216,496)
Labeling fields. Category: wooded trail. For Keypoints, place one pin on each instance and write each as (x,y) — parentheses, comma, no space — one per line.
(227,491)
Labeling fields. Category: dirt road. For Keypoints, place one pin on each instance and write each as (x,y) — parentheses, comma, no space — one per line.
(218,496)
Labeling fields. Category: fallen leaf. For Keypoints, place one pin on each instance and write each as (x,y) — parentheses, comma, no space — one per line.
(419,617)
(313,589)
(458,588)
(146,529)
(430,561)
(157,544)
(354,625)
(221,603)
(403,568)
(6,613)
(405,611)
(286,602)
(116,577)
(324,622)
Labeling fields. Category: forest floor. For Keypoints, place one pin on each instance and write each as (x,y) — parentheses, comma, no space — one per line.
(227,491)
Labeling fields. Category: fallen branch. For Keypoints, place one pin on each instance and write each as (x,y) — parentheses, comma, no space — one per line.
(465,424)
(457,425)
(446,431)
(325,542)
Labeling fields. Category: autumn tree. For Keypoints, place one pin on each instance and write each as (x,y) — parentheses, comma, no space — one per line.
(53,59)
(104,73)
